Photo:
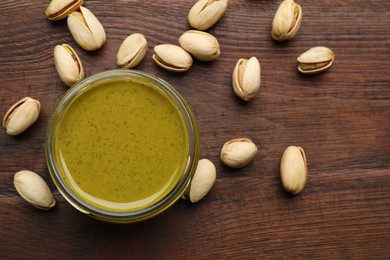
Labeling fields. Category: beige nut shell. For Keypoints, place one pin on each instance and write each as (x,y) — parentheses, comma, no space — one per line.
(293,169)
(34,189)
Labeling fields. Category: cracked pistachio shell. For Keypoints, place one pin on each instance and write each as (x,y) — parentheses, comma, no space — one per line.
(172,57)
(238,153)
(60,9)
(86,29)
(246,78)
(315,60)
(293,169)
(201,45)
(203,180)
(34,189)
(132,51)
(68,64)
(21,115)
(287,21)
(205,13)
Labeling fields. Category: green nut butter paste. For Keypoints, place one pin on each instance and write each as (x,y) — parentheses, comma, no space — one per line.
(121,145)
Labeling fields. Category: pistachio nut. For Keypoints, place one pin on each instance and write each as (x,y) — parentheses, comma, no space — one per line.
(315,60)
(287,21)
(68,64)
(201,45)
(86,29)
(238,153)
(246,78)
(172,57)
(34,189)
(21,115)
(293,169)
(132,51)
(205,13)
(59,9)
(203,180)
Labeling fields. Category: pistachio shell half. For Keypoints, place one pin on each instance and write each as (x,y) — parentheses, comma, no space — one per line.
(68,64)
(238,153)
(34,189)
(201,45)
(315,60)
(293,169)
(21,115)
(132,51)
(172,57)
(246,78)
(203,180)
(86,29)
(205,13)
(287,21)
(60,9)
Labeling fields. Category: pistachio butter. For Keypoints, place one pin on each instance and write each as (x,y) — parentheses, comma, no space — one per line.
(121,145)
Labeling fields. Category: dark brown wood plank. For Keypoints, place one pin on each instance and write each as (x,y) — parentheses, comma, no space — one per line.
(340,118)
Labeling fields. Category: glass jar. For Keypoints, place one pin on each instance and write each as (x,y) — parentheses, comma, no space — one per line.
(122,146)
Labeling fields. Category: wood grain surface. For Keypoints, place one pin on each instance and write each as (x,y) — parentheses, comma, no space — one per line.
(340,117)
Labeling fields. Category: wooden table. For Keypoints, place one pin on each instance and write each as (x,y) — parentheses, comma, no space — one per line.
(340,117)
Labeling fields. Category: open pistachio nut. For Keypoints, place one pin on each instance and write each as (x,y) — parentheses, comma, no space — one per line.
(60,9)
(287,21)
(246,78)
(205,13)
(21,115)
(172,57)
(201,45)
(238,153)
(315,60)
(68,64)
(132,51)
(86,29)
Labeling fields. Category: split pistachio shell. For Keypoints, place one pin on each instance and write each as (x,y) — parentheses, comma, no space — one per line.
(315,60)
(172,57)
(132,51)
(203,180)
(21,115)
(60,9)
(68,64)
(246,78)
(86,29)
(201,45)
(293,169)
(34,189)
(238,153)
(287,21)
(205,13)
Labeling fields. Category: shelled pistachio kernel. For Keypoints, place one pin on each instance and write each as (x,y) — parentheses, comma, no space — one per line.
(246,78)
(21,115)
(60,9)
(205,13)
(68,64)
(293,169)
(315,60)
(172,57)
(34,189)
(287,21)
(238,153)
(132,51)
(86,29)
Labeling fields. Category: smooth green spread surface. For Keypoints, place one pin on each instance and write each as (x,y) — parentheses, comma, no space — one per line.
(122,145)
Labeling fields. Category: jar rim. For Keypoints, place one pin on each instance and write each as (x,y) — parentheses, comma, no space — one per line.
(139,214)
